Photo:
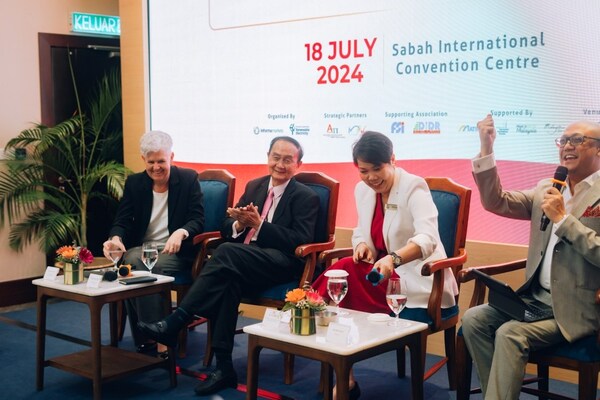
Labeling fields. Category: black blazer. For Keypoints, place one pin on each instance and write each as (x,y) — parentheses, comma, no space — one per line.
(186,209)
(294,220)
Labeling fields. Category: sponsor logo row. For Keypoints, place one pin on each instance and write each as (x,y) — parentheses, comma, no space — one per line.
(432,127)
(435,127)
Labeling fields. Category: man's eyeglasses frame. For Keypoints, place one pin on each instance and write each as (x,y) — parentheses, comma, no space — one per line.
(575,140)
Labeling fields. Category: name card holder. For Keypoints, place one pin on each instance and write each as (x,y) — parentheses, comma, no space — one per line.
(271,319)
(51,273)
(94,281)
(338,333)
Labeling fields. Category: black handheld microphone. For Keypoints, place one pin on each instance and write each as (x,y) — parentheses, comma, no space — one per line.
(374,277)
(559,182)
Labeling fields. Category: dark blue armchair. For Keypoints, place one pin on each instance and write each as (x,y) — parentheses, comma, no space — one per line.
(218,186)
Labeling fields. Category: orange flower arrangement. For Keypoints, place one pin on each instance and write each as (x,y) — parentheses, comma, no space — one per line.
(304,298)
(74,254)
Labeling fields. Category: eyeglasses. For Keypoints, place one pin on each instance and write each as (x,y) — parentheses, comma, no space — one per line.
(574,140)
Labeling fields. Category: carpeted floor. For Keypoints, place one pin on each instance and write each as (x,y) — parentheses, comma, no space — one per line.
(377,376)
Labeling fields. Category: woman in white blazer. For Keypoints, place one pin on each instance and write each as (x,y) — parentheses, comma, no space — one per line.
(397,233)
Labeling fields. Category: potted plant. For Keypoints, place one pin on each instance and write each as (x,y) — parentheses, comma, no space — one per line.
(74,154)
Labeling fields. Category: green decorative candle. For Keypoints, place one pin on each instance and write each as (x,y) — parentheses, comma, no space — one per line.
(73,273)
(303,321)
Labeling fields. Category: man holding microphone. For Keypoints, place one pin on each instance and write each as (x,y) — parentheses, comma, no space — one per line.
(563,261)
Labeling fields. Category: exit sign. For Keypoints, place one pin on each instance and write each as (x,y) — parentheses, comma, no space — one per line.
(95,23)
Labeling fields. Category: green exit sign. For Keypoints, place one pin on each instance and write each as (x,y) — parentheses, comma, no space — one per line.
(95,23)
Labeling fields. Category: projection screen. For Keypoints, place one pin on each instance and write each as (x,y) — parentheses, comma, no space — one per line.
(226,76)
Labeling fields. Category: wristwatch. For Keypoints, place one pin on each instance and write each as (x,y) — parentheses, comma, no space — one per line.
(396,259)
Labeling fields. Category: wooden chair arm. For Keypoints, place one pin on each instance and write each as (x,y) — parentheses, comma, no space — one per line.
(305,249)
(434,266)
(309,252)
(434,305)
(479,289)
(310,262)
(466,275)
(201,237)
(208,243)
(328,255)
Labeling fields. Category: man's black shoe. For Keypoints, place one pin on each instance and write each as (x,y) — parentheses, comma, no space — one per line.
(158,331)
(216,381)
(147,348)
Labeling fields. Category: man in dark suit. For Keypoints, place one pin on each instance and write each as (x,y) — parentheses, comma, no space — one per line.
(274,216)
(562,262)
(163,204)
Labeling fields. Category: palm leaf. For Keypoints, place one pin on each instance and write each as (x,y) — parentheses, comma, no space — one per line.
(78,153)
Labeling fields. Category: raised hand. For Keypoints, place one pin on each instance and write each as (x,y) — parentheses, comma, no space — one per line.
(487,135)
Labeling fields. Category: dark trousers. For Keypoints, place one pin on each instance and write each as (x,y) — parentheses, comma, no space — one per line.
(234,271)
(150,308)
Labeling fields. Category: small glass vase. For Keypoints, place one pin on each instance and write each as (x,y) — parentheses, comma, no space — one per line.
(303,322)
(73,273)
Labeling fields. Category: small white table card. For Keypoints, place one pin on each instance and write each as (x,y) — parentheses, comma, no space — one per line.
(272,318)
(338,333)
(286,316)
(94,280)
(51,273)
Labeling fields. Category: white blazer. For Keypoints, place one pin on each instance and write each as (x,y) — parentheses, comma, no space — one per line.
(410,217)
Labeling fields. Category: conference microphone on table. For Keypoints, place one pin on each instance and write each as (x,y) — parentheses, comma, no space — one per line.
(112,274)
(109,276)
(559,182)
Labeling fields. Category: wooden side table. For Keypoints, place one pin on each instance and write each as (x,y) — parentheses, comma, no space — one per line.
(99,363)
(366,340)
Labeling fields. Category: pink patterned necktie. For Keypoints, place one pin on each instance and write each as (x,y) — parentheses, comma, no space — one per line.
(263,215)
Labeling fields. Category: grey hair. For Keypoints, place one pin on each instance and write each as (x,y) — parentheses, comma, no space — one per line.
(154,141)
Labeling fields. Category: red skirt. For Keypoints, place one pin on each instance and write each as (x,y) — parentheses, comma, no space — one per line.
(361,295)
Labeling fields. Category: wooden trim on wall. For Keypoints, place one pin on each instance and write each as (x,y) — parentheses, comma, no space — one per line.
(45,43)
(134,69)
(17,292)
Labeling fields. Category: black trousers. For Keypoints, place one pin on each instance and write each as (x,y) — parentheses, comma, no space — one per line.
(234,271)
(150,308)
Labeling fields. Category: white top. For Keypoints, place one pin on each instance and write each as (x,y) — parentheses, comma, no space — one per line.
(410,217)
(363,333)
(158,227)
(105,287)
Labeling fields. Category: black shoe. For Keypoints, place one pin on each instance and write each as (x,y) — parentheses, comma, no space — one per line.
(158,331)
(163,355)
(146,348)
(216,381)
(354,393)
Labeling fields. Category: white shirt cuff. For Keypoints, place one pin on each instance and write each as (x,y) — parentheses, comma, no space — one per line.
(186,234)
(234,232)
(559,223)
(480,164)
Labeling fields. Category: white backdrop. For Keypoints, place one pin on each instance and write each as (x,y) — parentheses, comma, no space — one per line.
(226,76)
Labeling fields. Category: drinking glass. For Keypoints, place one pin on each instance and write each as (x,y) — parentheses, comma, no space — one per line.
(396,296)
(115,255)
(337,287)
(149,254)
